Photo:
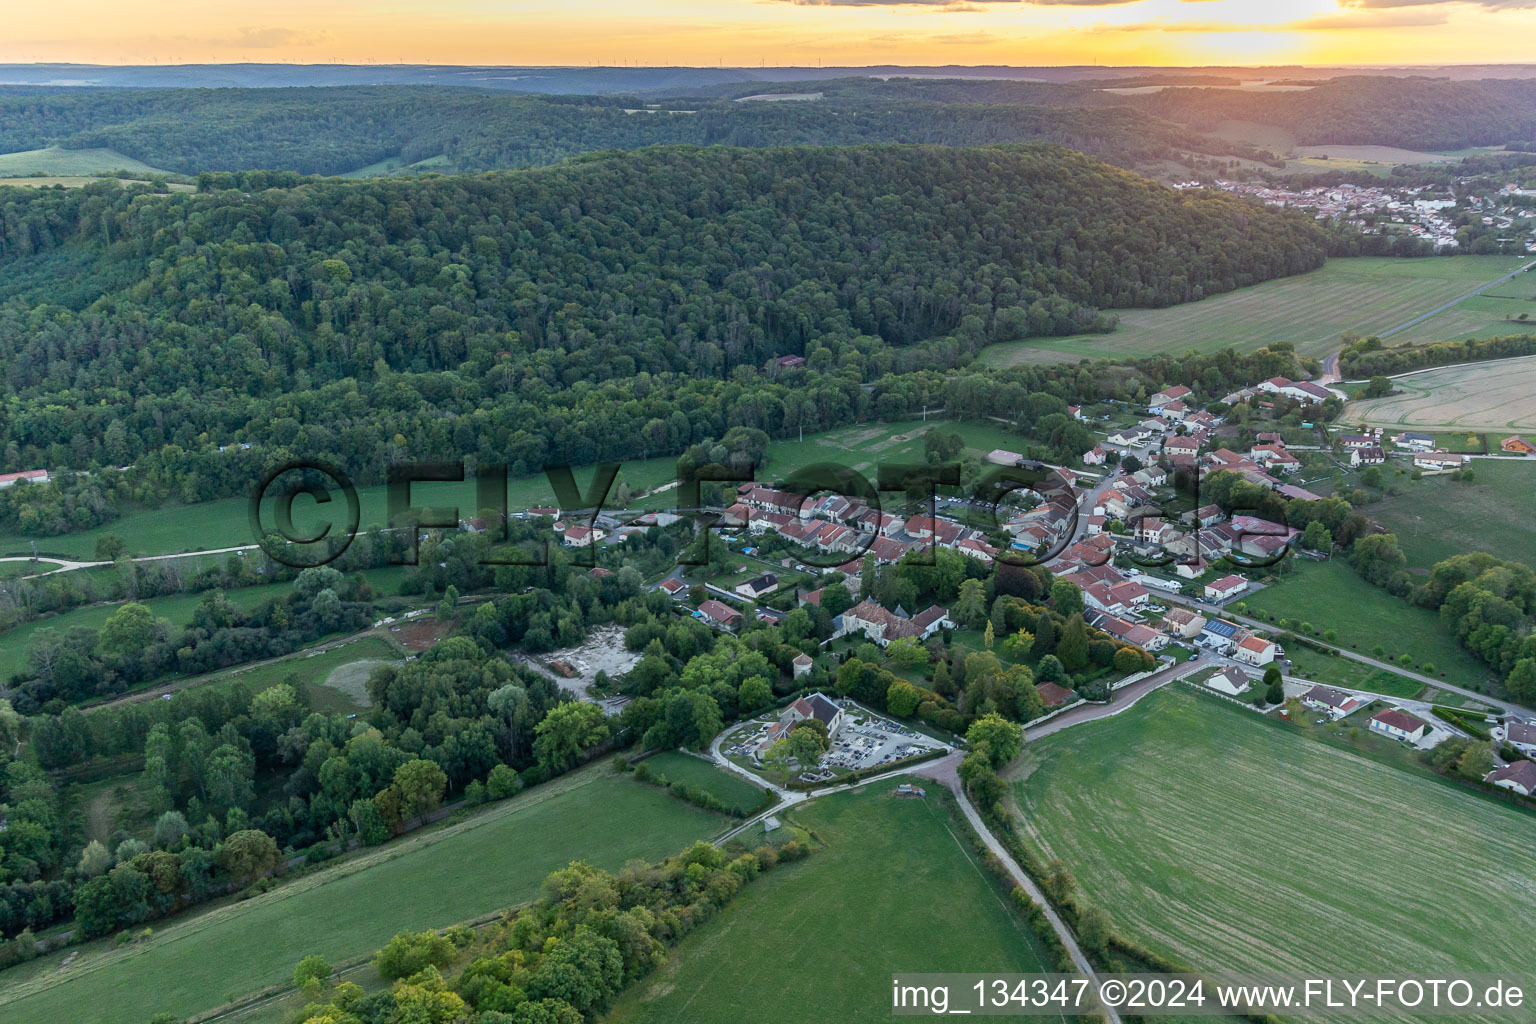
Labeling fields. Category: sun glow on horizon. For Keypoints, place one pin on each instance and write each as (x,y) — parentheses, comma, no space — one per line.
(750,33)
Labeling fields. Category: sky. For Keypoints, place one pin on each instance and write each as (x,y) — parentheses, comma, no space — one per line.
(751,33)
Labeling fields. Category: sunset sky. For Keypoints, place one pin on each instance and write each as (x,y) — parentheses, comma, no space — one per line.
(753,32)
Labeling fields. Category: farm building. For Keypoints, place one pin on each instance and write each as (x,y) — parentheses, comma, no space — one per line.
(31,476)
(1438,462)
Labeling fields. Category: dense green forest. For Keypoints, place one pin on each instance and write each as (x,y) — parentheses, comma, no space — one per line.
(619,307)
(338,130)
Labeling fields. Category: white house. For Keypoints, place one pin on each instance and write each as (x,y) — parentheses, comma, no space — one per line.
(1130,437)
(576,536)
(802,664)
(1255,650)
(1326,698)
(758,586)
(1399,725)
(1370,456)
(1517,777)
(1232,681)
(1227,586)
(1095,457)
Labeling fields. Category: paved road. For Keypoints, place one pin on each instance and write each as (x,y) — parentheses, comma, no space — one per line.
(67,565)
(1447,305)
(1124,699)
(1209,609)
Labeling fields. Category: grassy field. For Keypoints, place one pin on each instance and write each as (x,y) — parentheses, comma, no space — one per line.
(1331,595)
(70,162)
(732,790)
(177,608)
(225,523)
(1234,844)
(1498,395)
(494,859)
(1310,310)
(892,887)
(1318,667)
(1437,517)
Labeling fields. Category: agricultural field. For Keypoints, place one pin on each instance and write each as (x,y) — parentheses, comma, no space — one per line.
(833,927)
(1234,844)
(1437,517)
(1332,596)
(494,859)
(732,790)
(1497,395)
(70,163)
(1362,295)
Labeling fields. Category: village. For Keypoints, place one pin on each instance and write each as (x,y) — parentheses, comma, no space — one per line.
(1426,213)
(1157,567)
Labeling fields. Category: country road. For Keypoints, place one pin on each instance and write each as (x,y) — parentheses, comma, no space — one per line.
(1447,305)
(1209,609)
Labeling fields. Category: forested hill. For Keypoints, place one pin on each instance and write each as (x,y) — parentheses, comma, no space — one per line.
(341,130)
(1415,113)
(620,305)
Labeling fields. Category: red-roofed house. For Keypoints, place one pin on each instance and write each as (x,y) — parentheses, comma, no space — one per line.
(1399,725)
(1255,650)
(719,613)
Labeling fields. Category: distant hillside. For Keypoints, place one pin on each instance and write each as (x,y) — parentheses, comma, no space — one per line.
(342,130)
(1411,113)
(617,305)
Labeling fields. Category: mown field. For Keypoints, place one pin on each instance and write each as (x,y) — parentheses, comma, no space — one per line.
(495,859)
(1437,517)
(892,886)
(1235,844)
(1332,596)
(731,790)
(1363,296)
(70,162)
(1497,396)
